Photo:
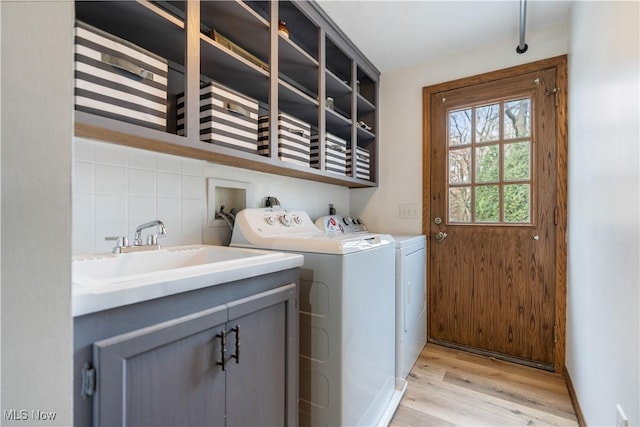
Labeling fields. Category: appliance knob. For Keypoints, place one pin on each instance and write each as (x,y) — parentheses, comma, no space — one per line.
(357,221)
(270,220)
(346,220)
(285,220)
(297,219)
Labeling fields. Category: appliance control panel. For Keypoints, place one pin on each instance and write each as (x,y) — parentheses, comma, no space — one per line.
(339,224)
(276,221)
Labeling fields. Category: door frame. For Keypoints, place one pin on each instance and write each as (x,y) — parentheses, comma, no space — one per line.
(560,65)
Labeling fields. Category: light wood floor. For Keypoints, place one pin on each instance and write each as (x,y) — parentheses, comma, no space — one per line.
(449,387)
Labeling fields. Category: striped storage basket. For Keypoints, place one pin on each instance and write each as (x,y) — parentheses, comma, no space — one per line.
(293,139)
(362,162)
(335,154)
(227,118)
(117,79)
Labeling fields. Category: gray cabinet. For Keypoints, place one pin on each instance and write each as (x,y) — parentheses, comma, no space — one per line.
(229,361)
(311,71)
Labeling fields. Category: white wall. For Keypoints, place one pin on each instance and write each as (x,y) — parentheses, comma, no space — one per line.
(604,214)
(400,171)
(36,117)
(116,188)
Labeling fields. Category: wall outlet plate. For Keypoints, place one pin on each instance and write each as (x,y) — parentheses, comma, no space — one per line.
(621,418)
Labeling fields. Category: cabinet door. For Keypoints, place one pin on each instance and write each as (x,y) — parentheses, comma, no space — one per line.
(262,381)
(165,374)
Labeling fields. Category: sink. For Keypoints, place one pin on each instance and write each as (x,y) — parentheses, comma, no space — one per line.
(110,280)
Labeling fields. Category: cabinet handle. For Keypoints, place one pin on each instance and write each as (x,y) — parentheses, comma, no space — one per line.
(236,356)
(237,109)
(337,147)
(127,66)
(294,131)
(223,349)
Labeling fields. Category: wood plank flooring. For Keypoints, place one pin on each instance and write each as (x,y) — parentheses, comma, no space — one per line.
(453,388)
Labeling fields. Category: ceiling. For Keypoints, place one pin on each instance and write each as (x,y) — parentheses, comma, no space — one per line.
(397,34)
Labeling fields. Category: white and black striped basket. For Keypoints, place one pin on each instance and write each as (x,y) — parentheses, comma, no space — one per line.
(227,118)
(293,139)
(335,154)
(363,163)
(117,79)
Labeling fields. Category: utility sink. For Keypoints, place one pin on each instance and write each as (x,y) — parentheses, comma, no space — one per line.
(106,281)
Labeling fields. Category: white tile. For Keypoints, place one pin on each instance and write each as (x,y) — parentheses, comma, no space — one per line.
(110,154)
(192,187)
(169,163)
(110,179)
(168,209)
(191,233)
(82,241)
(192,167)
(172,238)
(141,210)
(142,159)
(168,185)
(110,209)
(82,212)
(191,210)
(82,150)
(141,183)
(82,177)
(110,229)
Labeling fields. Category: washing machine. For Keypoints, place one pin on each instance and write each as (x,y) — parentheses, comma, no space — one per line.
(410,296)
(346,324)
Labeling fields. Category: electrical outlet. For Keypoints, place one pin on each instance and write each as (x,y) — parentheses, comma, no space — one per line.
(408,211)
(621,418)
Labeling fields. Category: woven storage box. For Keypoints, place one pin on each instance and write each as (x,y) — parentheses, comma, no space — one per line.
(117,79)
(335,154)
(227,118)
(293,139)
(362,163)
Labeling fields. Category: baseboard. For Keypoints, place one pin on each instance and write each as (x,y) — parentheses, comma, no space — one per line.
(574,399)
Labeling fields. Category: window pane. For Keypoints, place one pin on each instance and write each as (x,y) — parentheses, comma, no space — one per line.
(517,206)
(460,127)
(517,119)
(488,123)
(460,204)
(488,203)
(460,166)
(517,161)
(488,163)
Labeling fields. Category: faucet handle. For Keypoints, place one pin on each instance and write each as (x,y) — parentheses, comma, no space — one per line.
(152,239)
(121,242)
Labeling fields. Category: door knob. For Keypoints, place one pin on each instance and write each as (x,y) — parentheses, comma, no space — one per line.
(440,236)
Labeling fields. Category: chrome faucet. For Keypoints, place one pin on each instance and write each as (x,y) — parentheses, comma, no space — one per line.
(152,239)
(122,243)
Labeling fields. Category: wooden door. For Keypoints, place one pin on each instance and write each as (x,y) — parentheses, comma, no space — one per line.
(163,375)
(492,217)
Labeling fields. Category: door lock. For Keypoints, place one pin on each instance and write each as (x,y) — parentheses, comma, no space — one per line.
(437,220)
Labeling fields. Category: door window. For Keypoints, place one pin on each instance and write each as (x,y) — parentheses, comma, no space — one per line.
(490,158)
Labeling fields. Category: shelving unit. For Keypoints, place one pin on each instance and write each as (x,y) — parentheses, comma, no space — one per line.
(293,74)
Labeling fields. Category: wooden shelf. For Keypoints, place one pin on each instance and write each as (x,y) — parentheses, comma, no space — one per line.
(109,130)
(297,65)
(141,23)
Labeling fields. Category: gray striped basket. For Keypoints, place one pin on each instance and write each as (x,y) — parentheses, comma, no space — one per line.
(227,118)
(335,154)
(117,79)
(293,139)
(362,162)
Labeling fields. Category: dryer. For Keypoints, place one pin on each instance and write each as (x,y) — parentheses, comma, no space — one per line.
(410,295)
(346,324)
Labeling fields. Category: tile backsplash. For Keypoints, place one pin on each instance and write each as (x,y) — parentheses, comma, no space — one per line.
(116,188)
